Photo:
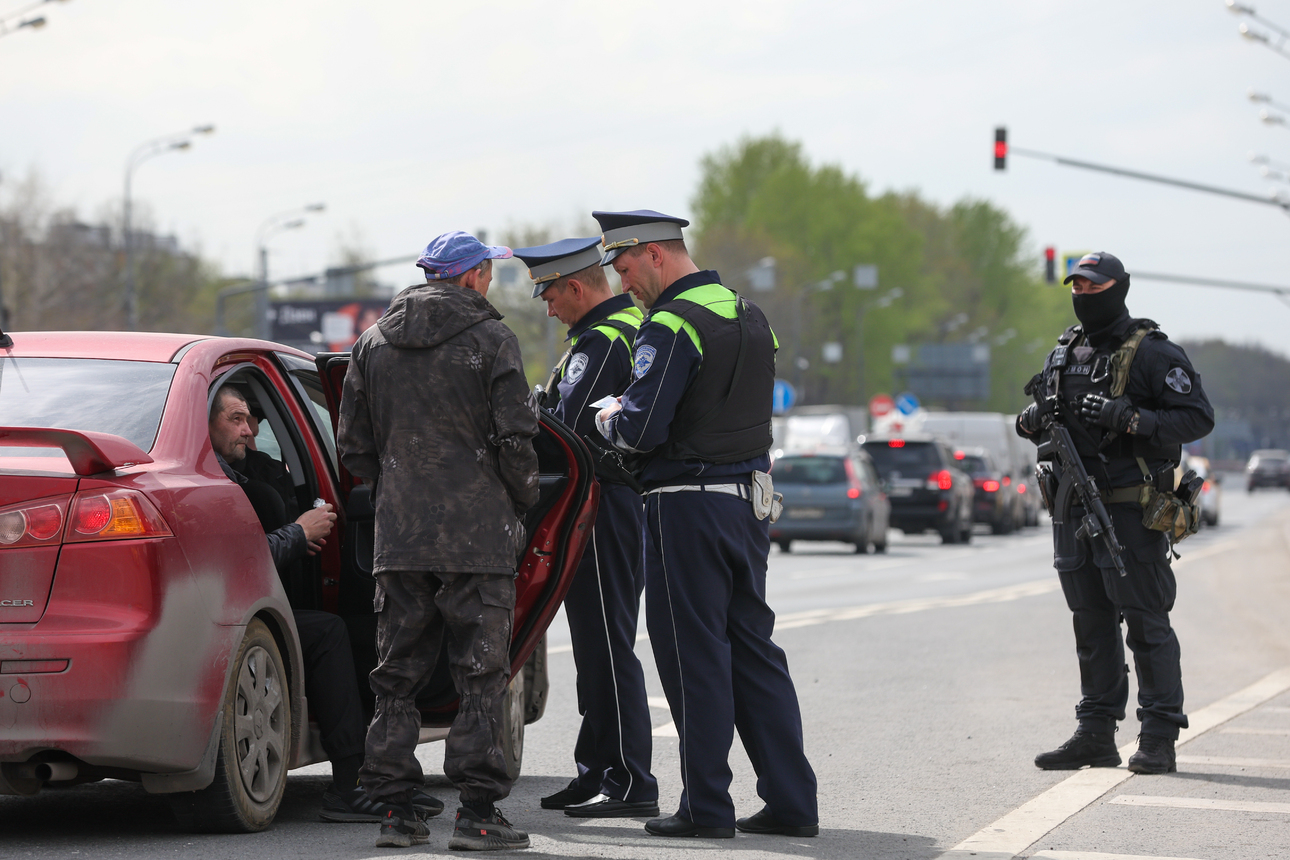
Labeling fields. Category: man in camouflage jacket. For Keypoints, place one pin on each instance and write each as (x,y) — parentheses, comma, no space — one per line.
(436,414)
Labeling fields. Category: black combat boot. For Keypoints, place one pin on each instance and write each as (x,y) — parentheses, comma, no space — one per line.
(1155,755)
(1084,749)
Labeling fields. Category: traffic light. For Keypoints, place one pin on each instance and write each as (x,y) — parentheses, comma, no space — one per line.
(1050,264)
(1000,148)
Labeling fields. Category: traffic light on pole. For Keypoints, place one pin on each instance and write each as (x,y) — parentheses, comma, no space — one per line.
(1050,264)
(1000,148)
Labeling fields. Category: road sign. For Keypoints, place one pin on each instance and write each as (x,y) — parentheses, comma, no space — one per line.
(907,403)
(880,405)
(782,397)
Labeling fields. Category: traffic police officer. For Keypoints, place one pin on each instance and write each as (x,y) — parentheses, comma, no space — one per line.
(699,407)
(1128,425)
(614,744)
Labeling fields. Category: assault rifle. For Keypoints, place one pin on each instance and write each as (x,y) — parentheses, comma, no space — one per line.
(1075,481)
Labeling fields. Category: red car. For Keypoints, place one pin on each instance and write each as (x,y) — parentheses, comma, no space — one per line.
(144,632)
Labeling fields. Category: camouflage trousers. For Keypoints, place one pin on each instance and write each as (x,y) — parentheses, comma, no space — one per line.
(414,610)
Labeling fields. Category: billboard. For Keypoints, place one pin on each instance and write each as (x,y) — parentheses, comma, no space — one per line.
(323,325)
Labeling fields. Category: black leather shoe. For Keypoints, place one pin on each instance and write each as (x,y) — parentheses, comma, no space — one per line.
(601,806)
(1155,755)
(1084,749)
(679,825)
(764,822)
(567,797)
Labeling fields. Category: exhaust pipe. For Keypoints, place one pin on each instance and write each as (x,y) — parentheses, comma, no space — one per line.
(47,771)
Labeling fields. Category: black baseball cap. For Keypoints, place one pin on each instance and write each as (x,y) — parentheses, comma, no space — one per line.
(1099,268)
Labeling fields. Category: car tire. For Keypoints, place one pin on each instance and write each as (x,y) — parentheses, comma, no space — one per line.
(950,535)
(785,545)
(965,536)
(513,713)
(255,735)
(880,547)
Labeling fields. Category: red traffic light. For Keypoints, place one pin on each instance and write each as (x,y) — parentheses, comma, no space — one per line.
(1050,264)
(1000,148)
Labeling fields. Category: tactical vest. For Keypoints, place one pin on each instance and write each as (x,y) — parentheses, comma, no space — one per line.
(618,325)
(724,414)
(1103,371)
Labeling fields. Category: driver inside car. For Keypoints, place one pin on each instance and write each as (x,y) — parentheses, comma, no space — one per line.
(331,684)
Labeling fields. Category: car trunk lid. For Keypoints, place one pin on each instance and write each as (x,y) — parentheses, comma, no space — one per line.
(33,513)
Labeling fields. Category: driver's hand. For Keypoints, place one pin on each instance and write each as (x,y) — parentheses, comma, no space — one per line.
(317,523)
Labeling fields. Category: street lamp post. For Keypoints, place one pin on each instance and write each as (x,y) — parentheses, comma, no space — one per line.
(1279,43)
(289,220)
(141,153)
(800,362)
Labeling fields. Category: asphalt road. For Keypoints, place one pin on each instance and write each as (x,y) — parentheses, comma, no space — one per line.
(929,678)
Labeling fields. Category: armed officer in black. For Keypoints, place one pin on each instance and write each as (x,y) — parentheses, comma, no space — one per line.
(614,744)
(698,411)
(1131,399)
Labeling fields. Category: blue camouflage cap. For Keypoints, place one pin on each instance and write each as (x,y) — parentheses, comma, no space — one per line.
(451,254)
(548,263)
(623,230)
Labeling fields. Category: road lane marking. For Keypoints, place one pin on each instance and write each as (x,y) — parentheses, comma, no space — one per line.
(1025,825)
(1097,855)
(812,617)
(1201,803)
(668,729)
(1247,730)
(1223,761)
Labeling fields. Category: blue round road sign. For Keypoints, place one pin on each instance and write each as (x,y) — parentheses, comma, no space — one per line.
(783,397)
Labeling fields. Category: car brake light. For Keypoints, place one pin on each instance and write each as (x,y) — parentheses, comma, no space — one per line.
(853,493)
(896,443)
(112,515)
(30,523)
(990,486)
(1007,480)
(1021,488)
(942,480)
(1204,488)
(959,455)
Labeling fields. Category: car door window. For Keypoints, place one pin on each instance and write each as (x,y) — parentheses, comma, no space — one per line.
(309,390)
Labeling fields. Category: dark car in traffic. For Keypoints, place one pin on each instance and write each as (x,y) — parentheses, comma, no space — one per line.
(1268,467)
(830,497)
(145,633)
(993,500)
(927,487)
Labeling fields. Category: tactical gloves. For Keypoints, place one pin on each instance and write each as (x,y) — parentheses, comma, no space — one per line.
(1028,421)
(1118,414)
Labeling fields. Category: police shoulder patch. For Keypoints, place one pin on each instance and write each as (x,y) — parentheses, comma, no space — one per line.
(577,366)
(644,360)
(1178,380)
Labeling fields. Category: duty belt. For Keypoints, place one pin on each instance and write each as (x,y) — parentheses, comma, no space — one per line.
(741,490)
(1125,495)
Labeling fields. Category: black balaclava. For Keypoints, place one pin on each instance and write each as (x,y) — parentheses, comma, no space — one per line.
(1098,311)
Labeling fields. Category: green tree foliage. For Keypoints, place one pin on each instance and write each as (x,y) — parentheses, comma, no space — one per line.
(963,273)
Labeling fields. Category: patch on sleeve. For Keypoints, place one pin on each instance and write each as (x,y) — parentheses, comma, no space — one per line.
(1178,380)
(577,366)
(644,360)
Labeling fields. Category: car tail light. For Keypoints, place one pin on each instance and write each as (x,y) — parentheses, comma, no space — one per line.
(942,480)
(1007,480)
(959,455)
(1021,488)
(1204,488)
(855,490)
(113,515)
(896,443)
(990,486)
(31,523)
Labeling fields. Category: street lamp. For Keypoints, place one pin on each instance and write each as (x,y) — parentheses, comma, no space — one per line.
(34,23)
(1254,35)
(288,220)
(149,149)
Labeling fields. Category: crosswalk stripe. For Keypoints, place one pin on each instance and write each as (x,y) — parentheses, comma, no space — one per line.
(1201,803)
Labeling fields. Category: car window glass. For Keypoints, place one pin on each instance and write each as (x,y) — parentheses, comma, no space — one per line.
(810,470)
(973,464)
(124,398)
(907,458)
(266,441)
(307,376)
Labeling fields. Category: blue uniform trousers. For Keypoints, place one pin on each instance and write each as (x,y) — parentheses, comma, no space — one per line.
(710,627)
(614,744)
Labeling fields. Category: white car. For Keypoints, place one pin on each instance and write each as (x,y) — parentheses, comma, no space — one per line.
(1211,495)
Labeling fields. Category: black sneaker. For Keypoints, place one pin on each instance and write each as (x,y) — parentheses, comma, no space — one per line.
(1084,749)
(1155,755)
(355,806)
(402,830)
(494,833)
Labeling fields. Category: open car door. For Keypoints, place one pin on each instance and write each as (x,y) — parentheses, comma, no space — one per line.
(558,528)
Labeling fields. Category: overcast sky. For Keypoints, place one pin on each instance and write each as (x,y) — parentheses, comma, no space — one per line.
(411,117)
